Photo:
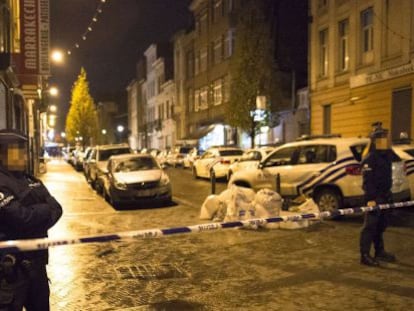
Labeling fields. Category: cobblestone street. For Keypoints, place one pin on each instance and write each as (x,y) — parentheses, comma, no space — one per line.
(308,269)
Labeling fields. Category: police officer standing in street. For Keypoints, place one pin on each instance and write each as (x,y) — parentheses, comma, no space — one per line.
(377,183)
(27,210)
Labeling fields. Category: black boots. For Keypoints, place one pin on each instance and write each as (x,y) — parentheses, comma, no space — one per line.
(367,260)
(385,256)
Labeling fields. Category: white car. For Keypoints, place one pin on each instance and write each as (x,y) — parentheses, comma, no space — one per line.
(216,160)
(135,178)
(250,158)
(406,152)
(326,169)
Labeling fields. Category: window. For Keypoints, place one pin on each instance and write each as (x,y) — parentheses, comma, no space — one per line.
(204,98)
(217,51)
(203,59)
(4,30)
(285,156)
(317,154)
(217,10)
(190,99)
(203,22)
(190,64)
(323,53)
(229,41)
(218,92)
(197,63)
(226,88)
(367,30)
(327,111)
(343,33)
(196,100)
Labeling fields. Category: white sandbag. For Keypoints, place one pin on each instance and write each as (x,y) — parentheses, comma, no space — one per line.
(210,207)
(270,200)
(307,207)
(239,204)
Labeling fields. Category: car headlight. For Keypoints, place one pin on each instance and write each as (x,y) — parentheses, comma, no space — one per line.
(120,185)
(164,181)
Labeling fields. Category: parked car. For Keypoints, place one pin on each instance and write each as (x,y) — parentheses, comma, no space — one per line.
(405,150)
(193,155)
(99,157)
(216,160)
(326,169)
(135,178)
(176,158)
(250,158)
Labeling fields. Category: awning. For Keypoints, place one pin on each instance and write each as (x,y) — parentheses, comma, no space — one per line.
(200,132)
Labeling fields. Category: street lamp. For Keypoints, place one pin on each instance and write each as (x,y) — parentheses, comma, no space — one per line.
(57,56)
(53,91)
(120,128)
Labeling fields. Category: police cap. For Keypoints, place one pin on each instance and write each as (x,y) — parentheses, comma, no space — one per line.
(12,135)
(378,131)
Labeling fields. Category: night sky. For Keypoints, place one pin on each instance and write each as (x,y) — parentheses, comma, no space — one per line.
(124,30)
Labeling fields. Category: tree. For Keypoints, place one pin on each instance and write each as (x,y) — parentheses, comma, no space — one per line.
(252,66)
(82,120)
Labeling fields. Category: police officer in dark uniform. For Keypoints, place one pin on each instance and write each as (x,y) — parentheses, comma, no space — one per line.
(377,183)
(27,210)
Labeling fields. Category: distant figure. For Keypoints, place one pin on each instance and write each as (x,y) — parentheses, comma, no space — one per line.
(27,210)
(377,183)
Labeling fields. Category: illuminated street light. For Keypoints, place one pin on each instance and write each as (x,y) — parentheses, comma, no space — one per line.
(120,128)
(53,91)
(57,56)
(103,132)
(63,134)
(53,108)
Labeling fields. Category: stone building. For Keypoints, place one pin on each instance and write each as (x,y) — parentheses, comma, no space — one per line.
(361,66)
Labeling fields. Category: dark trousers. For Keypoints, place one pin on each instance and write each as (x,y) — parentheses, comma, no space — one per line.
(375,224)
(31,290)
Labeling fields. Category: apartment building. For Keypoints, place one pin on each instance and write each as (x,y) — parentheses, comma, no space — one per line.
(160,93)
(201,73)
(361,66)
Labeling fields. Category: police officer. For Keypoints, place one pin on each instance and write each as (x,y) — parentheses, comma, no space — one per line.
(377,183)
(27,210)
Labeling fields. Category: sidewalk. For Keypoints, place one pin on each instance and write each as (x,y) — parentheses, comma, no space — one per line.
(309,269)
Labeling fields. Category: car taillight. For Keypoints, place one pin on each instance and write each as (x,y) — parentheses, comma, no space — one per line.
(223,161)
(354,169)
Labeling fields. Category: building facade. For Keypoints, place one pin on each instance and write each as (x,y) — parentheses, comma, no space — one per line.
(24,68)
(361,66)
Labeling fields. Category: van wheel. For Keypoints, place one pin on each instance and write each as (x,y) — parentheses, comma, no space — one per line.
(328,200)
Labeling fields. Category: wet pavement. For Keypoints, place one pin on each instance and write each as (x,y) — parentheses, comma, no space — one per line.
(315,268)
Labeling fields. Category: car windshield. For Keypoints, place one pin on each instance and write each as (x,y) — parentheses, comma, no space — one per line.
(409,151)
(185,150)
(106,154)
(232,152)
(137,164)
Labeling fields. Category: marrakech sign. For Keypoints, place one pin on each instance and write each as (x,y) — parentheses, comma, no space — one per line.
(33,58)
(369,78)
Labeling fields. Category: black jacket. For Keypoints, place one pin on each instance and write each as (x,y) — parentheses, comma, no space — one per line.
(377,175)
(27,210)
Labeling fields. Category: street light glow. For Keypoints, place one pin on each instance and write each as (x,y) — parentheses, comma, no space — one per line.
(103,132)
(53,108)
(120,128)
(53,91)
(57,56)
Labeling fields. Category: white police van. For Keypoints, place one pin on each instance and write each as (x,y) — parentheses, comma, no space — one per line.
(326,169)
(405,150)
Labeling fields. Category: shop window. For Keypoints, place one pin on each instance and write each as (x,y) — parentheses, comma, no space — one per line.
(3,101)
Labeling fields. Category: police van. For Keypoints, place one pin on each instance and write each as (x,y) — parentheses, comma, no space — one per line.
(404,148)
(324,168)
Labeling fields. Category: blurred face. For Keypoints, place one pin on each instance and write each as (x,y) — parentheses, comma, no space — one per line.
(13,156)
(382,143)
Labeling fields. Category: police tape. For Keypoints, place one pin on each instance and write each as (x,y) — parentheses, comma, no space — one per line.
(14,246)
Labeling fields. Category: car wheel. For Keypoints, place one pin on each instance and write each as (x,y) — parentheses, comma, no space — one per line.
(328,200)
(195,173)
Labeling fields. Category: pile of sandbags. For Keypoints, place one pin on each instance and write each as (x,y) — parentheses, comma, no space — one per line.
(240,203)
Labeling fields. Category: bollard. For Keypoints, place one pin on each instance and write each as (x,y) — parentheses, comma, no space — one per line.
(278,183)
(213,182)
